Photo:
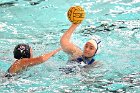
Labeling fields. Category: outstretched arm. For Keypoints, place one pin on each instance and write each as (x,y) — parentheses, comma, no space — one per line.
(43,58)
(68,46)
(27,62)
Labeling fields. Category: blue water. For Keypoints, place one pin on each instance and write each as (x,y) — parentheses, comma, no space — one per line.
(41,23)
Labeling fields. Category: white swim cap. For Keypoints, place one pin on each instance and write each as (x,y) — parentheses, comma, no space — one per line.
(93,42)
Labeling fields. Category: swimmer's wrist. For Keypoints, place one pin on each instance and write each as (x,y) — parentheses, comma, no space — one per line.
(75,24)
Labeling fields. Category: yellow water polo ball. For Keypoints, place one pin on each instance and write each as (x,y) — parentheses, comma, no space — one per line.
(76,14)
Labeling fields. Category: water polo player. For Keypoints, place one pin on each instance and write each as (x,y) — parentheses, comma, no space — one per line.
(24,59)
(85,57)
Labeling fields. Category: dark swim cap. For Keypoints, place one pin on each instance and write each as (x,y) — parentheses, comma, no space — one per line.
(22,51)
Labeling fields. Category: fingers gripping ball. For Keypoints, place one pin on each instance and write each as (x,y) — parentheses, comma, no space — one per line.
(76,14)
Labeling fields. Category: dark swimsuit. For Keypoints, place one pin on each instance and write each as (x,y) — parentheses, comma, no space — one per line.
(85,60)
(72,67)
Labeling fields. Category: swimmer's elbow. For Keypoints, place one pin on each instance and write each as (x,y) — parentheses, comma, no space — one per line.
(64,41)
(65,45)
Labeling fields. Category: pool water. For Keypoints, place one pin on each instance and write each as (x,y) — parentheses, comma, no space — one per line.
(41,23)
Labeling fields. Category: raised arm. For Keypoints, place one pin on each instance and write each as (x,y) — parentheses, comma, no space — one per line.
(67,45)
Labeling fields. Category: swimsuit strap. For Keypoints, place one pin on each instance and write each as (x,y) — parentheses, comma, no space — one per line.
(91,61)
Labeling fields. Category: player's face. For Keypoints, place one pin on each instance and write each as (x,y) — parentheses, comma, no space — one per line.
(89,50)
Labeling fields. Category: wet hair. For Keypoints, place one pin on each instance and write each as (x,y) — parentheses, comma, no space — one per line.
(22,51)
